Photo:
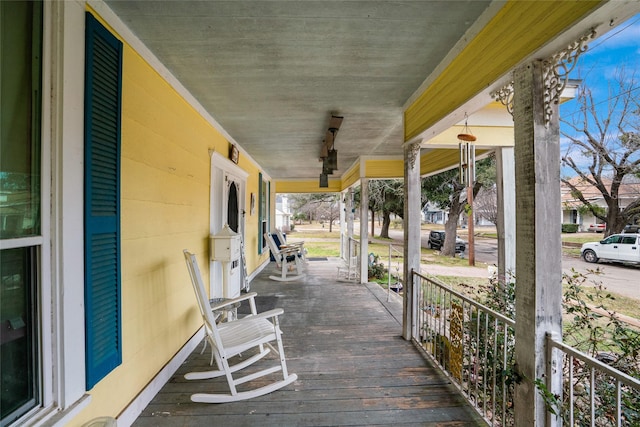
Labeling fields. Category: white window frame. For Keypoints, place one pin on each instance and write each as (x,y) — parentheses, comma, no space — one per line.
(61,253)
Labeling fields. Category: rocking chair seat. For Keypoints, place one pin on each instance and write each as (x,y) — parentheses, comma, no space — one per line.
(242,334)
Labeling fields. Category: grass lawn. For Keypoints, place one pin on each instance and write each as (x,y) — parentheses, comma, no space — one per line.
(325,244)
(582,237)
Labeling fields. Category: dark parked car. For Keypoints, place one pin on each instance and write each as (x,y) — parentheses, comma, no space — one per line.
(436,240)
(631,228)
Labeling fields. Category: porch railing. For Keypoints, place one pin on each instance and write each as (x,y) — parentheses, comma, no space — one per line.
(351,258)
(474,346)
(594,393)
(471,343)
(354,247)
(394,269)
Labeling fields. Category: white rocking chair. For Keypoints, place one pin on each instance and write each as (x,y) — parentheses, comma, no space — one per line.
(231,338)
(285,245)
(285,258)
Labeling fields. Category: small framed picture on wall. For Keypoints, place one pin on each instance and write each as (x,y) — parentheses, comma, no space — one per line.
(234,153)
(252,209)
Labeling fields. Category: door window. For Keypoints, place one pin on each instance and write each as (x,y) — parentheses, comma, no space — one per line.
(232,207)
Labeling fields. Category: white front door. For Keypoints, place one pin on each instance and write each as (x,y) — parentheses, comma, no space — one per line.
(227,206)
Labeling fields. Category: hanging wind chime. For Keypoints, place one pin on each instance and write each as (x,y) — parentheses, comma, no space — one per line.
(467,172)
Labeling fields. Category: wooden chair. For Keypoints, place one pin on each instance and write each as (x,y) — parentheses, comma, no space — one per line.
(285,258)
(298,245)
(228,339)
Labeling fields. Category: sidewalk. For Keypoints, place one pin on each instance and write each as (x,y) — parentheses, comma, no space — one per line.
(462,271)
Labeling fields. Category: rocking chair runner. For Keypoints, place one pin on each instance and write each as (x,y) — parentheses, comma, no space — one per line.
(234,337)
(284,258)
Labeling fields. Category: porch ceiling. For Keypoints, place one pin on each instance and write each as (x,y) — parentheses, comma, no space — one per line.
(271,72)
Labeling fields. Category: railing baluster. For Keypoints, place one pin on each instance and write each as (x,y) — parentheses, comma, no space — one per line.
(493,383)
(505,365)
(592,395)
(485,364)
(466,345)
(571,400)
(618,404)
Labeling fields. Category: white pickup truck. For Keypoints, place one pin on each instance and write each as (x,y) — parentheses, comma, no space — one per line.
(617,247)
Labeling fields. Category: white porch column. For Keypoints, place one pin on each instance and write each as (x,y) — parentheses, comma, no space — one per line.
(506,226)
(344,241)
(364,236)
(412,246)
(350,213)
(350,217)
(538,243)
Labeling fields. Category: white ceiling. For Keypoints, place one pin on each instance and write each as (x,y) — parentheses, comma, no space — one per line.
(272,72)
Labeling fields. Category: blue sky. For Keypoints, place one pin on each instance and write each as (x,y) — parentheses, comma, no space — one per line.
(597,68)
(620,46)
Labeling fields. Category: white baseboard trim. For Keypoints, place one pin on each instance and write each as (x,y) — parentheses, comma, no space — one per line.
(135,408)
(258,270)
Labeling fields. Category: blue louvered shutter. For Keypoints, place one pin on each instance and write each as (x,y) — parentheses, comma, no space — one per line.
(261,231)
(103,85)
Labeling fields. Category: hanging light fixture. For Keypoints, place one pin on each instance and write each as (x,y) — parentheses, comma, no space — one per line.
(328,153)
(326,169)
(324,180)
(332,159)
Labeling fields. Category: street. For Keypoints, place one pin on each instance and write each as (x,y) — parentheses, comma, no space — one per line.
(618,278)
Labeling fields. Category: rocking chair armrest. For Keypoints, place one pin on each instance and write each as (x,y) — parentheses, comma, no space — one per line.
(288,251)
(237,300)
(292,245)
(275,312)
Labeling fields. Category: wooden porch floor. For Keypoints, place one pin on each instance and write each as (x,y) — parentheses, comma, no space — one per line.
(343,340)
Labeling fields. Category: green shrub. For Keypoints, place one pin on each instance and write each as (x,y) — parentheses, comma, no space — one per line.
(376,268)
(570,228)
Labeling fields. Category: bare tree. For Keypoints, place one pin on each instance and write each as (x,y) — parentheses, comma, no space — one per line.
(320,206)
(604,151)
(486,204)
(445,190)
(386,196)
(328,209)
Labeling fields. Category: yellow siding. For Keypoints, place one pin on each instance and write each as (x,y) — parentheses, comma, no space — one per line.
(437,160)
(375,168)
(441,159)
(487,136)
(519,28)
(307,186)
(351,176)
(165,193)
(380,169)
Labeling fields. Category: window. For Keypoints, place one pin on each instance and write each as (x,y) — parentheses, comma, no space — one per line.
(263,212)
(20,206)
(612,239)
(103,86)
(629,240)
